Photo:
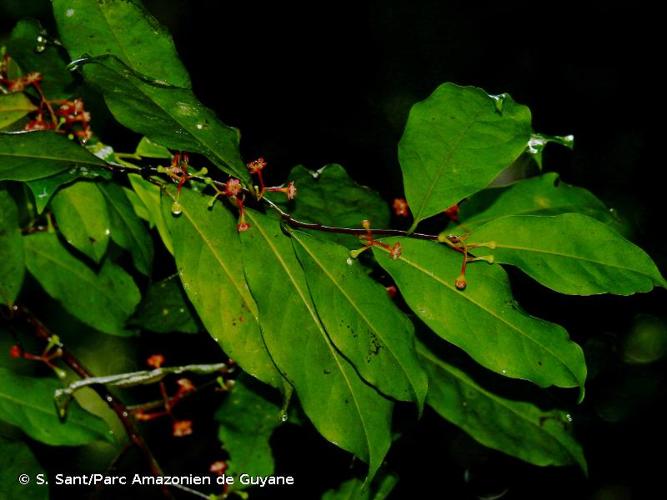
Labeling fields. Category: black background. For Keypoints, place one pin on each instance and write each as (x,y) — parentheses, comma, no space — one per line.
(333,82)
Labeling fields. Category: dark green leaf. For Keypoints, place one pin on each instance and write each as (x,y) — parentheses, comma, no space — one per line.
(209,260)
(342,407)
(543,195)
(330,196)
(34,155)
(103,300)
(150,197)
(355,489)
(27,402)
(247,419)
(124,29)
(483,320)
(16,458)
(12,265)
(45,58)
(517,428)
(570,253)
(127,230)
(165,309)
(82,217)
(13,107)
(455,143)
(361,320)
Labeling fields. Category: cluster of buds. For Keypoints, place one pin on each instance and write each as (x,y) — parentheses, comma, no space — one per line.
(178,170)
(255,167)
(180,427)
(52,352)
(73,118)
(400,207)
(22,82)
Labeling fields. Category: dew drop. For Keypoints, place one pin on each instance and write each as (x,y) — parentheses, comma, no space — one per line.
(107,232)
(109,399)
(200,126)
(499,101)
(283,416)
(125,414)
(176,209)
(349,261)
(568,417)
(69,12)
(504,372)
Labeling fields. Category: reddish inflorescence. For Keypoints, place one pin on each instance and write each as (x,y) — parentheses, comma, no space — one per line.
(400,207)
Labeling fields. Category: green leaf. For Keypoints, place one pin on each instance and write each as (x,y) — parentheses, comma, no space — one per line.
(103,300)
(455,143)
(247,419)
(342,407)
(44,189)
(151,198)
(12,265)
(27,403)
(538,142)
(330,196)
(148,149)
(361,319)
(127,230)
(209,262)
(34,155)
(83,219)
(165,309)
(483,320)
(13,107)
(542,195)
(45,58)
(16,458)
(517,428)
(355,489)
(571,253)
(124,29)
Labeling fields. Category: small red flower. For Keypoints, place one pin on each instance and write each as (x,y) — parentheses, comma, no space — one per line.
(452,213)
(400,207)
(289,190)
(219,467)
(391,291)
(232,187)
(15,351)
(155,361)
(182,428)
(395,251)
(256,166)
(185,386)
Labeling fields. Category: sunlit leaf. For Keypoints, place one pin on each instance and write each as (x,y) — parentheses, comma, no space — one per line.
(13,107)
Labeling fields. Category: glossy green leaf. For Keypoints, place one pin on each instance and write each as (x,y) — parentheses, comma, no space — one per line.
(13,107)
(83,219)
(16,458)
(103,300)
(538,142)
(455,143)
(122,28)
(543,195)
(209,261)
(12,265)
(361,319)
(570,253)
(151,199)
(148,149)
(483,320)
(330,196)
(27,403)
(356,489)
(46,58)
(343,408)
(127,230)
(247,419)
(34,155)
(517,428)
(165,309)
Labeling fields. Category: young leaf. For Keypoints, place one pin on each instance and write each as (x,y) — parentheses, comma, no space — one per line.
(83,219)
(542,195)
(483,320)
(517,428)
(12,266)
(27,403)
(148,149)
(330,196)
(151,199)
(124,29)
(343,408)
(165,309)
(34,155)
(455,143)
(247,419)
(102,300)
(361,320)
(41,57)
(13,107)
(571,253)
(127,230)
(16,458)
(208,257)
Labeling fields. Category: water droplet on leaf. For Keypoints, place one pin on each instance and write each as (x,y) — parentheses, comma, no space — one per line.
(176,208)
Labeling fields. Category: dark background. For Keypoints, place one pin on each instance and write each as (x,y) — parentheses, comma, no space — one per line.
(331,82)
